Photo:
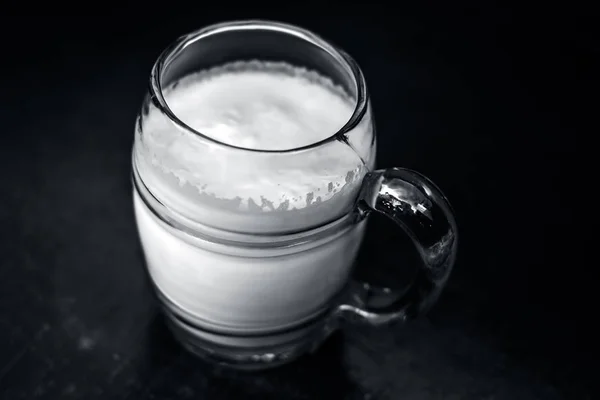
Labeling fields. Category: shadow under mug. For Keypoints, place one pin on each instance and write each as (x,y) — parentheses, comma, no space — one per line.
(253,315)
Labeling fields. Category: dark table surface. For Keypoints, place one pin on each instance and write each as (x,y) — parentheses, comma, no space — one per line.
(488,103)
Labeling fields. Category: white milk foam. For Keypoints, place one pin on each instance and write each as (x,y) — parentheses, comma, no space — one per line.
(262,106)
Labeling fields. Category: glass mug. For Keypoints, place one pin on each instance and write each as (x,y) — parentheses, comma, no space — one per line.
(244,279)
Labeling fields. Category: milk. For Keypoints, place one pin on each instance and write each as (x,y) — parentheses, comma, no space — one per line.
(258,196)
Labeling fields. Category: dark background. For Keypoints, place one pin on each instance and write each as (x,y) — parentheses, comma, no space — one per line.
(493,104)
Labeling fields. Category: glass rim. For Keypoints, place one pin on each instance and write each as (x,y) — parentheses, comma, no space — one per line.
(156,89)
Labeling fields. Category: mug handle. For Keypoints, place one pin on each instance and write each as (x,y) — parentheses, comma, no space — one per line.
(423,212)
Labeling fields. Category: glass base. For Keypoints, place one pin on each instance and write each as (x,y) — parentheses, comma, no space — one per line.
(250,353)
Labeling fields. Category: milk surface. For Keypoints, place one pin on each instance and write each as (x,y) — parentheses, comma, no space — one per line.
(257,106)
(262,108)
